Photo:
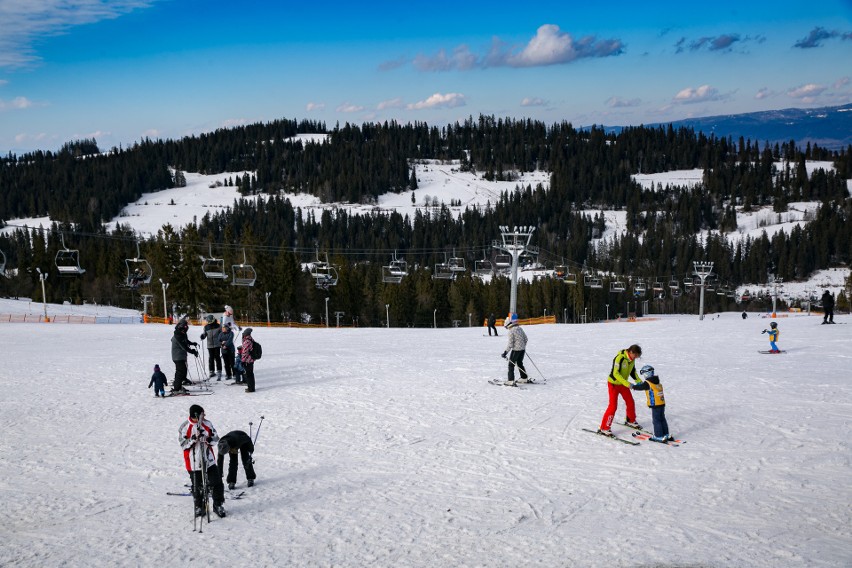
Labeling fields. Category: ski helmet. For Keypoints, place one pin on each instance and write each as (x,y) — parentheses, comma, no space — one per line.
(646,372)
(773,325)
(210,318)
(195,411)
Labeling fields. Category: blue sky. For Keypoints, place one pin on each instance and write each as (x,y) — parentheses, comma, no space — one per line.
(122,70)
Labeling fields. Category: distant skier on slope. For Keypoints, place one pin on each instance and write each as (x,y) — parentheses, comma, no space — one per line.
(515,349)
(214,349)
(828,307)
(197,436)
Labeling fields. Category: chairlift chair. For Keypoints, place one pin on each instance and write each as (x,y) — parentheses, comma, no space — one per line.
(394,272)
(639,288)
(689,281)
(325,275)
(456,264)
(483,267)
(68,261)
(139,270)
(616,286)
(570,278)
(243,274)
(503,261)
(213,268)
(657,287)
(560,271)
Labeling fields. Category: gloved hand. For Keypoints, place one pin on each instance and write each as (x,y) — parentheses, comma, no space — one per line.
(149,386)
(764,331)
(194,344)
(504,354)
(194,352)
(203,335)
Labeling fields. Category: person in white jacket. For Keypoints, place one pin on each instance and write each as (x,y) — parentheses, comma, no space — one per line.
(228,317)
(515,350)
(197,437)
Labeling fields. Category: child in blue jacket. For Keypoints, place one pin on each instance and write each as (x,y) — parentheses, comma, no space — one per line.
(159,382)
(774,333)
(656,402)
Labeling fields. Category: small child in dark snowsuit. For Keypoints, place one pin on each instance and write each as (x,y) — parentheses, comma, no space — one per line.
(656,402)
(239,370)
(159,382)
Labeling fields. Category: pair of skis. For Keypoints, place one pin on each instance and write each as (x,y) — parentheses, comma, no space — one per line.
(639,434)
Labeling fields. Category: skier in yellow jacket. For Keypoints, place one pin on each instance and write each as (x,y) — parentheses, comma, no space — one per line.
(618,385)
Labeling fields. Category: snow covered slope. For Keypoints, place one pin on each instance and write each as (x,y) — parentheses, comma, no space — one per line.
(389,448)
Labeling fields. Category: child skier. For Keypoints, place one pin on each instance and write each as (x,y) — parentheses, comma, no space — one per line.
(656,402)
(159,382)
(774,333)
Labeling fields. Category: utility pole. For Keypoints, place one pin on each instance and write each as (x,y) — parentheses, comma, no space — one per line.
(387,316)
(165,305)
(326,310)
(268,321)
(702,270)
(337,315)
(776,283)
(515,241)
(42,276)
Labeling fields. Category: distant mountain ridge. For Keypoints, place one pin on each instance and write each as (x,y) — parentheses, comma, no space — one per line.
(829,127)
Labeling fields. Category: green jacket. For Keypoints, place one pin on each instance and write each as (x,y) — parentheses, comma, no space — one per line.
(622,369)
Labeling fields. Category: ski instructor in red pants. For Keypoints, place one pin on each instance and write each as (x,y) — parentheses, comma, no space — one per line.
(618,385)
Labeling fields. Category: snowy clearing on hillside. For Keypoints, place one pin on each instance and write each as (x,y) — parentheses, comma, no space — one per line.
(375,452)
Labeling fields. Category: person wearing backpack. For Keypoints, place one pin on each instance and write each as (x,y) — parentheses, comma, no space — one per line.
(251,351)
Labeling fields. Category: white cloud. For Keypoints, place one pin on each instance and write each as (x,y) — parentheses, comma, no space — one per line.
(449,100)
(701,94)
(549,46)
(154,133)
(618,102)
(24,21)
(349,107)
(312,106)
(18,103)
(533,101)
(3,82)
(840,83)
(392,103)
(806,93)
(763,93)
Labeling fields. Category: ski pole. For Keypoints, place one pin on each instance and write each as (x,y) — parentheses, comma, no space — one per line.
(536,368)
(258,431)
(192,478)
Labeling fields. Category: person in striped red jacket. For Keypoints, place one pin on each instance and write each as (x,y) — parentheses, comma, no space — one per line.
(197,438)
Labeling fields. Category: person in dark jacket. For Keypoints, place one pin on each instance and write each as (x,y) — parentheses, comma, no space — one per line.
(159,382)
(233,443)
(491,321)
(828,307)
(214,349)
(181,345)
(226,341)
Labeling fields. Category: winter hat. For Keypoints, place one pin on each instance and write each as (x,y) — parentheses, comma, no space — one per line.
(247,331)
(226,325)
(229,310)
(195,411)
(210,318)
(510,319)
(156,368)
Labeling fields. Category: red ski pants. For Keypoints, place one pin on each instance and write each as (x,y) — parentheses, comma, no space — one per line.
(614,392)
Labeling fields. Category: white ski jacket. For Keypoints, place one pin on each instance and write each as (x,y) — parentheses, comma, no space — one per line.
(197,443)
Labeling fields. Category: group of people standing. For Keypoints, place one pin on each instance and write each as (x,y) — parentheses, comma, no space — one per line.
(220,341)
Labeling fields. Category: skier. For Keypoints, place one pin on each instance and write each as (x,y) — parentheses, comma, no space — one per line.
(197,436)
(247,359)
(211,334)
(159,382)
(239,370)
(774,334)
(233,443)
(618,385)
(491,321)
(226,341)
(656,402)
(181,345)
(828,307)
(228,317)
(517,345)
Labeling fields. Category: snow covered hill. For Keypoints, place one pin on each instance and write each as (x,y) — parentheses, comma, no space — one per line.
(389,448)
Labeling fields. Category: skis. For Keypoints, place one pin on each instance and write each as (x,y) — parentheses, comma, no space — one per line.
(199,393)
(503,384)
(230,495)
(644,436)
(773,352)
(612,437)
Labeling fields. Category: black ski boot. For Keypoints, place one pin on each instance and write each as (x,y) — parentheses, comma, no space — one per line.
(219,509)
